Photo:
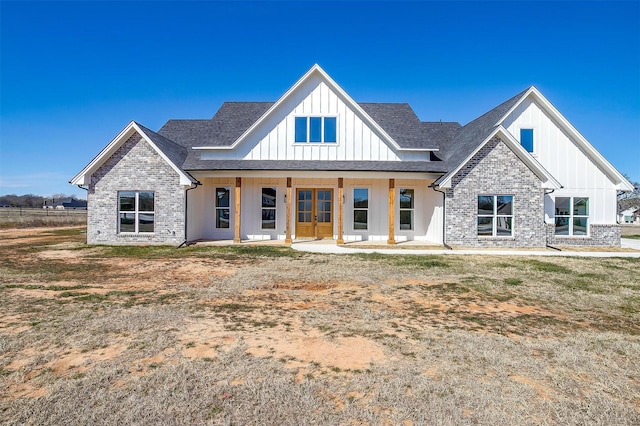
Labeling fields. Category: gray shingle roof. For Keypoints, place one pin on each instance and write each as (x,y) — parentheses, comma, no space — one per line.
(401,123)
(227,125)
(177,154)
(455,143)
(317,165)
(468,137)
(234,118)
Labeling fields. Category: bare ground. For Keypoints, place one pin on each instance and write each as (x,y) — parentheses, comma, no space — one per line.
(265,335)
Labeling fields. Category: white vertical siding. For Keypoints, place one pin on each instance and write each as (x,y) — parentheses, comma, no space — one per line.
(274,140)
(560,155)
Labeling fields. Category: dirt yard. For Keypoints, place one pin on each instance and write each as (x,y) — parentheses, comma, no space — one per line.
(267,335)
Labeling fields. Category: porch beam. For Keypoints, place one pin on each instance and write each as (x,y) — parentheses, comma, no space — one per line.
(236,222)
(340,211)
(392,211)
(287,239)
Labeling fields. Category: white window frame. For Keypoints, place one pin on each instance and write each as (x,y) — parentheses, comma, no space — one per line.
(322,117)
(495,216)
(136,213)
(412,209)
(572,216)
(216,208)
(274,208)
(354,208)
(534,152)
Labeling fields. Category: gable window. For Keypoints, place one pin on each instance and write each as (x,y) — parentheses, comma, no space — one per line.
(360,209)
(495,215)
(315,129)
(406,209)
(268,208)
(572,216)
(526,139)
(222,207)
(136,211)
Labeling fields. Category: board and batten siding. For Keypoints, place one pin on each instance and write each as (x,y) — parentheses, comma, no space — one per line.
(557,153)
(201,217)
(274,138)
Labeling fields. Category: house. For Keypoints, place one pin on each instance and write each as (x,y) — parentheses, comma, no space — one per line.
(317,164)
(629,216)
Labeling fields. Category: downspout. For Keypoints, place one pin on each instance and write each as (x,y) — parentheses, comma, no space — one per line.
(86,235)
(444,216)
(186,243)
(546,239)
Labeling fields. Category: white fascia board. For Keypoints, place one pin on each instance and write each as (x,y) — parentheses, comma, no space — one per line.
(336,88)
(211,148)
(317,174)
(548,181)
(84,177)
(622,184)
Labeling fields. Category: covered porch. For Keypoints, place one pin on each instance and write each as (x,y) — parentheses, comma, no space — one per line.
(339,207)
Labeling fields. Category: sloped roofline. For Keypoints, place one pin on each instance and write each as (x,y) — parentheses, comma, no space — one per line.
(548,181)
(84,177)
(622,184)
(315,69)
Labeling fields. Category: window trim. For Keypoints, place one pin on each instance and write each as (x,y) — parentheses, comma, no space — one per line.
(571,216)
(534,145)
(354,208)
(412,209)
(494,216)
(308,118)
(136,213)
(274,208)
(216,208)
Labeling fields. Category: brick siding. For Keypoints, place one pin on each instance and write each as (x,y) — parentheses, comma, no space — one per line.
(135,166)
(599,235)
(495,170)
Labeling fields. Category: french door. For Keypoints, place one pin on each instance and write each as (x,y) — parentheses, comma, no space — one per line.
(314,213)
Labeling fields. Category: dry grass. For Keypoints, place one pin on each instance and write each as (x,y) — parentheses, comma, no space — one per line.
(15,217)
(264,335)
(630,231)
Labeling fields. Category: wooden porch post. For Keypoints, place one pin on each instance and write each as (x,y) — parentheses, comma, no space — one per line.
(392,211)
(238,194)
(340,211)
(287,239)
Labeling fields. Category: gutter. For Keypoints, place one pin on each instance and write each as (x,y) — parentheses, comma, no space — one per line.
(186,242)
(444,216)
(545,224)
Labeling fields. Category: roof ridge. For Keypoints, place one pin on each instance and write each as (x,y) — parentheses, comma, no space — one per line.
(492,110)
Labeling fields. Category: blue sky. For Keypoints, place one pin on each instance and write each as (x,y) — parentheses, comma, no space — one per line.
(73,74)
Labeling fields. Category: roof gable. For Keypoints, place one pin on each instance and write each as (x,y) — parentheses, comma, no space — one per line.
(399,119)
(547,180)
(575,136)
(170,152)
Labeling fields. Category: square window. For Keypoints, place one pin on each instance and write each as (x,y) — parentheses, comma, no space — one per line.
(495,215)
(136,211)
(572,216)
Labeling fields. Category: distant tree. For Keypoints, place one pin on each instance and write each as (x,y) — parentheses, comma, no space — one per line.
(630,194)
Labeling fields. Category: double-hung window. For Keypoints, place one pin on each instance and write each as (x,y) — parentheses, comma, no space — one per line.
(572,216)
(495,215)
(406,209)
(360,209)
(268,208)
(316,129)
(222,207)
(136,211)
